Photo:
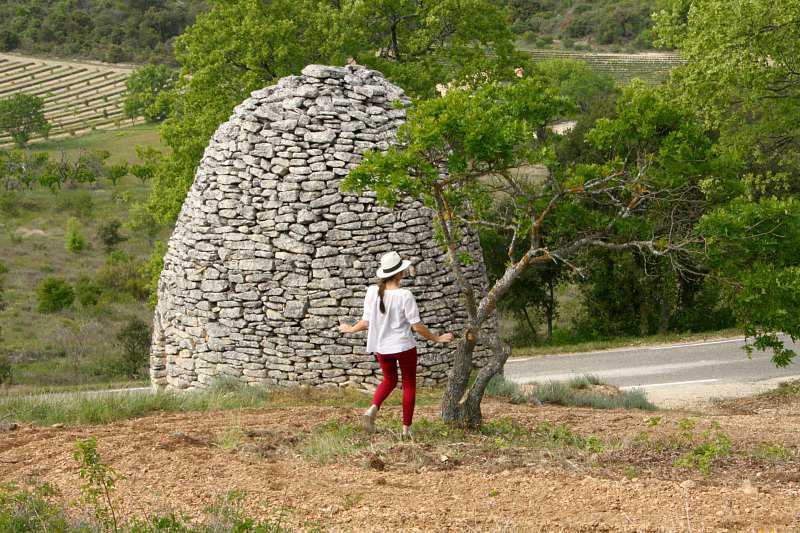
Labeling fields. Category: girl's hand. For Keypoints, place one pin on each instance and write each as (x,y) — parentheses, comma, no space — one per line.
(345,328)
(445,338)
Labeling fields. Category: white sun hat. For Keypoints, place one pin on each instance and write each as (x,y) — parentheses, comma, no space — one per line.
(391,264)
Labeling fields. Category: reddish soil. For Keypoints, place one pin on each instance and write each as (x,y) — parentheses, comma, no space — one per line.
(476,483)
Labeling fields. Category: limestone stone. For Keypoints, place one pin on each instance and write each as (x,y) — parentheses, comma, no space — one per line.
(268,256)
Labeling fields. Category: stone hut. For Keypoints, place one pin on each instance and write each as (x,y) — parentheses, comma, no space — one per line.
(268,253)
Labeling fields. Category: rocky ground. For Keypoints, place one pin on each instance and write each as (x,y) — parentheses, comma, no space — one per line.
(733,466)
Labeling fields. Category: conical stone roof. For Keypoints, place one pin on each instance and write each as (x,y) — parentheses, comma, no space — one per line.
(267,252)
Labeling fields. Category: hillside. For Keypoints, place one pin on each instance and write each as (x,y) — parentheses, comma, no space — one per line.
(76,345)
(79,97)
(105,30)
(596,24)
(651,67)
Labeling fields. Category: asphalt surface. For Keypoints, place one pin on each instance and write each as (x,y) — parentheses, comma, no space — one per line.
(669,374)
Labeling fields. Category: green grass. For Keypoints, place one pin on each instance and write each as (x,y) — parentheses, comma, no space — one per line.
(32,390)
(71,347)
(121,143)
(332,442)
(622,342)
(225,394)
(41,508)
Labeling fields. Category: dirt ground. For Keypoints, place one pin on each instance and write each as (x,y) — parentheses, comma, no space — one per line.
(478,482)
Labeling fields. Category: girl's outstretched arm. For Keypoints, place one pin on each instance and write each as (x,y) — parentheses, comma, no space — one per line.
(361,325)
(420,328)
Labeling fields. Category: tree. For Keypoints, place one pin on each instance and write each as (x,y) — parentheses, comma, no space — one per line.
(145,96)
(741,76)
(134,339)
(22,116)
(459,153)
(73,240)
(241,45)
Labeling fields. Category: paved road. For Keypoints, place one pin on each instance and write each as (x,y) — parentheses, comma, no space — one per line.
(670,374)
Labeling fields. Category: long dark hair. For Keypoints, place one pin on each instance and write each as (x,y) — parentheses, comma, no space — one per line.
(382,289)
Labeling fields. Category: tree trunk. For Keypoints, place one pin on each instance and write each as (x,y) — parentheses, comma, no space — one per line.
(663,325)
(462,407)
(551,307)
(530,325)
(458,380)
(644,315)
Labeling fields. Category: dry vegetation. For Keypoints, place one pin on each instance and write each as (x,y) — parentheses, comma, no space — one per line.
(302,461)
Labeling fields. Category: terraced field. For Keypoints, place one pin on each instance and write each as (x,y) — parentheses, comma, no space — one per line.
(651,67)
(79,97)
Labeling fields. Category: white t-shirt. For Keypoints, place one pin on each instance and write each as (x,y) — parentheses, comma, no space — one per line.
(390,332)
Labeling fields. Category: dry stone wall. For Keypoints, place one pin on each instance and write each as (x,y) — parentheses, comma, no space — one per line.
(268,254)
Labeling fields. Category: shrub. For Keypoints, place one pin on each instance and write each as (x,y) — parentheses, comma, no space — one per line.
(33,510)
(500,387)
(122,273)
(87,292)
(134,339)
(74,240)
(6,372)
(54,294)
(9,203)
(108,233)
(142,221)
(80,202)
(152,270)
(117,172)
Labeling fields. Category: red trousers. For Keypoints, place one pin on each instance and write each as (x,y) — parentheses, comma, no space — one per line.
(408,366)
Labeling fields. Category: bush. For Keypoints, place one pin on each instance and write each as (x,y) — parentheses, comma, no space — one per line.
(8,41)
(9,203)
(79,202)
(134,339)
(108,233)
(87,292)
(74,241)
(117,172)
(6,372)
(54,294)
(122,273)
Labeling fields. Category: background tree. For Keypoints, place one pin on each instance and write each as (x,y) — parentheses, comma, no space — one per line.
(240,45)
(742,78)
(22,117)
(459,153)
(145,87)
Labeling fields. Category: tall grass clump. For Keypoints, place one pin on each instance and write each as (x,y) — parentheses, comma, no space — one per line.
(102,408)
(575,394)
(500,387)
(330,442)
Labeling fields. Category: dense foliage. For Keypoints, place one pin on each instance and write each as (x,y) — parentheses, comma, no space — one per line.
(604,22)
(460,153)
(22,117)
(742,79)
(242,45)
(107,30)
(145,96)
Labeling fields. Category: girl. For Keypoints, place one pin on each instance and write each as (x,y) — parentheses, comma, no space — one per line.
(390,313)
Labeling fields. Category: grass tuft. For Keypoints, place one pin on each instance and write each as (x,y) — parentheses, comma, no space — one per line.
(574,393)
(332,441)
